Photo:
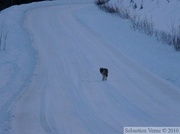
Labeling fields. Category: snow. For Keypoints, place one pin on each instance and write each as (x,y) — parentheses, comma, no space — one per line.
(50,81)
(164,15)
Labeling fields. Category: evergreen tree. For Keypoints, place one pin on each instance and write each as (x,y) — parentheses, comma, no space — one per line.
(7,3)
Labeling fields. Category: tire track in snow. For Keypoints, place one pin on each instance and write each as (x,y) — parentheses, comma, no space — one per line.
(43,114)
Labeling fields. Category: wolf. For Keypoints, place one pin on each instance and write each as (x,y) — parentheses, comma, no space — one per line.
(104,72)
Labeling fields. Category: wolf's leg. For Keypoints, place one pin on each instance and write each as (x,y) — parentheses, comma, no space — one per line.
(103,77)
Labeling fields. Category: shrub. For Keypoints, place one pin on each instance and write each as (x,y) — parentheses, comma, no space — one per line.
(124,13)
(101,2)
(171,38)
(142,25)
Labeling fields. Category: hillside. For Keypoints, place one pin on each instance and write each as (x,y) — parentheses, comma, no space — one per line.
(163,13)
(159,18)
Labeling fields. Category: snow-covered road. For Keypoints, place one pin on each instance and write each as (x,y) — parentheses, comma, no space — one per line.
(67,96)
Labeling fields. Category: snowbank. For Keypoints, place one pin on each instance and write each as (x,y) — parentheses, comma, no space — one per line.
(159,18)
(17,56)
(164,14)
(17,61)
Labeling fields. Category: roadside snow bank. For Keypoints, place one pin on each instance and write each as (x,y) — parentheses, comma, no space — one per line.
(17,58)
(159,18)
(164,14)
(17,61)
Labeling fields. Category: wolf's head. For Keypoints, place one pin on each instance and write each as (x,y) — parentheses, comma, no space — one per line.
(101,70)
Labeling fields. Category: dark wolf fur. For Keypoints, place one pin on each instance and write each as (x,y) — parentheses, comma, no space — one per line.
(104,72)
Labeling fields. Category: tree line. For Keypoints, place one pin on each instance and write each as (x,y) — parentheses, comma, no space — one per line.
(7,3)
